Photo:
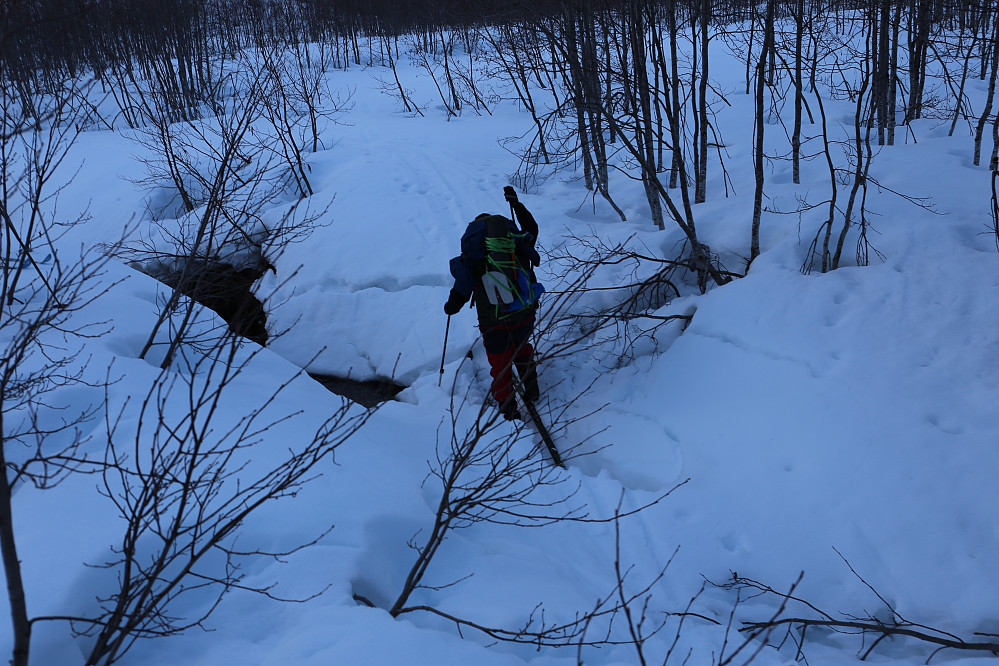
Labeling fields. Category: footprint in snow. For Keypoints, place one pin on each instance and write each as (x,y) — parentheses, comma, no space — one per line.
(635,450)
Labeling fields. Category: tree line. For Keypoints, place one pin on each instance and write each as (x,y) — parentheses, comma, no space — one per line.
(632,81)
(628,79)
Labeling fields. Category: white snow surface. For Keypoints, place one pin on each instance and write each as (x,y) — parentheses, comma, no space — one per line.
(825,422)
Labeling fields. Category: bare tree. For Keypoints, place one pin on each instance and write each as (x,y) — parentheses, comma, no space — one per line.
(919,25)
(995,194)
(485,475)
(990,95)
(184,481)
(295,99)
(799,35)
(488,471)
(610,320)
(760,121)
(43,294)
(395,88)
(40,437)
(871,628)
(506,49)
(226,170)
(701,37)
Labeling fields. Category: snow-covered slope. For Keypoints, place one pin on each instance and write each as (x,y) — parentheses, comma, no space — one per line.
(824,421)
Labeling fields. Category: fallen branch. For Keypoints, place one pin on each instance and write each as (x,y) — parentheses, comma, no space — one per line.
(885,630)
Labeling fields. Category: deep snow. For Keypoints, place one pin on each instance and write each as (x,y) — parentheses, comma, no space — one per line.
(823,421)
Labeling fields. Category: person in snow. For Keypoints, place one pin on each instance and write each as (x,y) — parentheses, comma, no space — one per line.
(496,270)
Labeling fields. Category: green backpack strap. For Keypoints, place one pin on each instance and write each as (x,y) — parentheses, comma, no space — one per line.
(506,283)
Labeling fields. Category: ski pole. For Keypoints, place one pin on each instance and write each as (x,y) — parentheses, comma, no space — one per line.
(511,196)
(447,329)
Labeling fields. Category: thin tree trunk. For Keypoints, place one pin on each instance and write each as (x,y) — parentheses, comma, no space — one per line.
(919,41)
(700,193)
(758,156)
(984,119)
(20,624)
(892,79)
(643,112)
(571,37)
(883,74)
(863,152)
(799,23)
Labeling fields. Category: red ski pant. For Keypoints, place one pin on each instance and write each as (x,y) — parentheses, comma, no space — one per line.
(506,348)
(501,369)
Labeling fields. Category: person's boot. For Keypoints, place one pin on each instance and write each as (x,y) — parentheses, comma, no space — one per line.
(528,372)
(509,410)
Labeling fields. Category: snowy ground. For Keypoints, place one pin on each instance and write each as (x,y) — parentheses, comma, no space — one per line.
(824,422)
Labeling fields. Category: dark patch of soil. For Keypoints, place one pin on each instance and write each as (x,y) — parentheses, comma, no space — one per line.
(368,393)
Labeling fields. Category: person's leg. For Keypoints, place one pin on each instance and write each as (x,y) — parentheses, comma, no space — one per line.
(500,354)
(524,360)
(528,372)
(500,367)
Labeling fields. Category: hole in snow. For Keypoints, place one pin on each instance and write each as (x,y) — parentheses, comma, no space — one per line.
(367,393)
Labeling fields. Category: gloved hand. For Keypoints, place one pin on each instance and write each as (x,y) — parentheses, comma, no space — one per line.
(510,194)
(455,301)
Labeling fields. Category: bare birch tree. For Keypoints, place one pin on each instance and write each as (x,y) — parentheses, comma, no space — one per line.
(184,476)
